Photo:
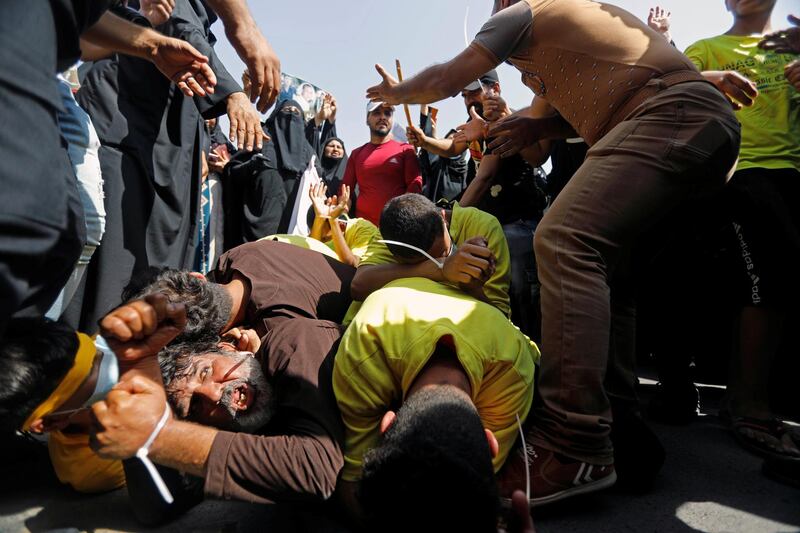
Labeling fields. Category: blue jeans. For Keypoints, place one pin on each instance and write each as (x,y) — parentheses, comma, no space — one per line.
(82,146)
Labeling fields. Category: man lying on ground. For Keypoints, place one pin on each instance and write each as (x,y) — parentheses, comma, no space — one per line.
(258,284)
(461,375)
(271,428)
(468,243)
(50,375)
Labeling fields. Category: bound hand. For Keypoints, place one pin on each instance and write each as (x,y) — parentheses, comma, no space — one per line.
(126,418)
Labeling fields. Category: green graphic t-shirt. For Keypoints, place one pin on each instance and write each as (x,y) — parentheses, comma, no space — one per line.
(771,126)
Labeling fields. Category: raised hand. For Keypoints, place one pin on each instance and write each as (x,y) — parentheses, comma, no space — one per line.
(658,19)
(474,130)
(513,134)
(739,91)
(185,66)
(384,91)
(494,107)
(341,205)
(784,41)
(319,199)
(141,328)
(246,131)
(415,136)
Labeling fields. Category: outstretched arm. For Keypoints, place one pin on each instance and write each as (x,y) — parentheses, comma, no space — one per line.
(434,83)
(253,48)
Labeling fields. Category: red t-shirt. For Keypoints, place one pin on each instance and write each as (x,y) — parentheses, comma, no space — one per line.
(382,171)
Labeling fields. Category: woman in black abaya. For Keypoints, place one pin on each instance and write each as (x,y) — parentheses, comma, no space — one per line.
(260,190)
(333,163)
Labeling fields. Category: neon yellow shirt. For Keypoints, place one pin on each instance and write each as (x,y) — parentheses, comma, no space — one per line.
(303,242)
(771,126)
(465,223)
(358,235)
(391,339)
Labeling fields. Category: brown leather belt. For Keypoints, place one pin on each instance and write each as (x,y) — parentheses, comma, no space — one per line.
(651,88)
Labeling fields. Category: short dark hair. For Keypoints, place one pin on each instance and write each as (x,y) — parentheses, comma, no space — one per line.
(413,219)
(434,463)
(208,305)
(35,355)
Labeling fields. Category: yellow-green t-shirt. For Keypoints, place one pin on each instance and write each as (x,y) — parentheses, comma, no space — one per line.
(358,235)
(391,339)
(465,223)
(771,126)
(303,242)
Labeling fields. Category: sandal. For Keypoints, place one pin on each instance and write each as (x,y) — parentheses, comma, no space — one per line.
(765,437)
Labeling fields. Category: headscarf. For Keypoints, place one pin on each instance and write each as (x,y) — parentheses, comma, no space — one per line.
(292,151)
(333,169)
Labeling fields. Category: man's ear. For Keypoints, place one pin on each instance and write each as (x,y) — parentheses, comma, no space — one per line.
(198,275)
(387,421)
(494,446)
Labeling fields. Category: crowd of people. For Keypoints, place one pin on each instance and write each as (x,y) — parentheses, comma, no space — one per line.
(439,325)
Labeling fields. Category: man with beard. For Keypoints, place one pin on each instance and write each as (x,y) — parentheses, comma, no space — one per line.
(270,428)
(383,168)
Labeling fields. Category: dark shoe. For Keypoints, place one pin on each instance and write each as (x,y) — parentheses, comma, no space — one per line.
(675,404)
(553,476)
(784,470)
(770,437)
(638,453)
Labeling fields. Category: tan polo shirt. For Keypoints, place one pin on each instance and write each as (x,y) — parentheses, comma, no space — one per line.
(587,59)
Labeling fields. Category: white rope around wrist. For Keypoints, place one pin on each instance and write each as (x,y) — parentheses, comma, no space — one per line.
(142,455)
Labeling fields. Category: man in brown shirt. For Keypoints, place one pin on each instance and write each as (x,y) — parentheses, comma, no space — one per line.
(658,134)
(257,285)
(284,396)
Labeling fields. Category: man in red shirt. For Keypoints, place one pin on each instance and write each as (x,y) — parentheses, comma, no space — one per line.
(383,168)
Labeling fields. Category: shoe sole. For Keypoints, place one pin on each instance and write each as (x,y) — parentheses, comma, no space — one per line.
(600,484)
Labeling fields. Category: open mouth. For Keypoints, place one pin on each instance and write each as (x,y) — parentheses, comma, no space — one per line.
(243,397)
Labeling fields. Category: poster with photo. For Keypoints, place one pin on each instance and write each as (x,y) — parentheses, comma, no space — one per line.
(305,93)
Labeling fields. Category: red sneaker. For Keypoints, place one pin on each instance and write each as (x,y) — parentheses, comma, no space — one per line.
(553,476)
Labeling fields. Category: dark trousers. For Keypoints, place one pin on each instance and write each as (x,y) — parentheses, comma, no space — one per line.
(41,226)
(681,142)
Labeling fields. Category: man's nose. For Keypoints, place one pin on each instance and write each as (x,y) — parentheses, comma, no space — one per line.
(210,391)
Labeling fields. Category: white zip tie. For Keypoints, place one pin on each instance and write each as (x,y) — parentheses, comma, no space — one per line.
(142,454)
(527,464)
(420,250)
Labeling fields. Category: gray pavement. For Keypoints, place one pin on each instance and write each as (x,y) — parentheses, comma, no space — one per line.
(708,484)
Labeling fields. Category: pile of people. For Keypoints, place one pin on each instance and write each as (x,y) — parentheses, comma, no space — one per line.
(194,315)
